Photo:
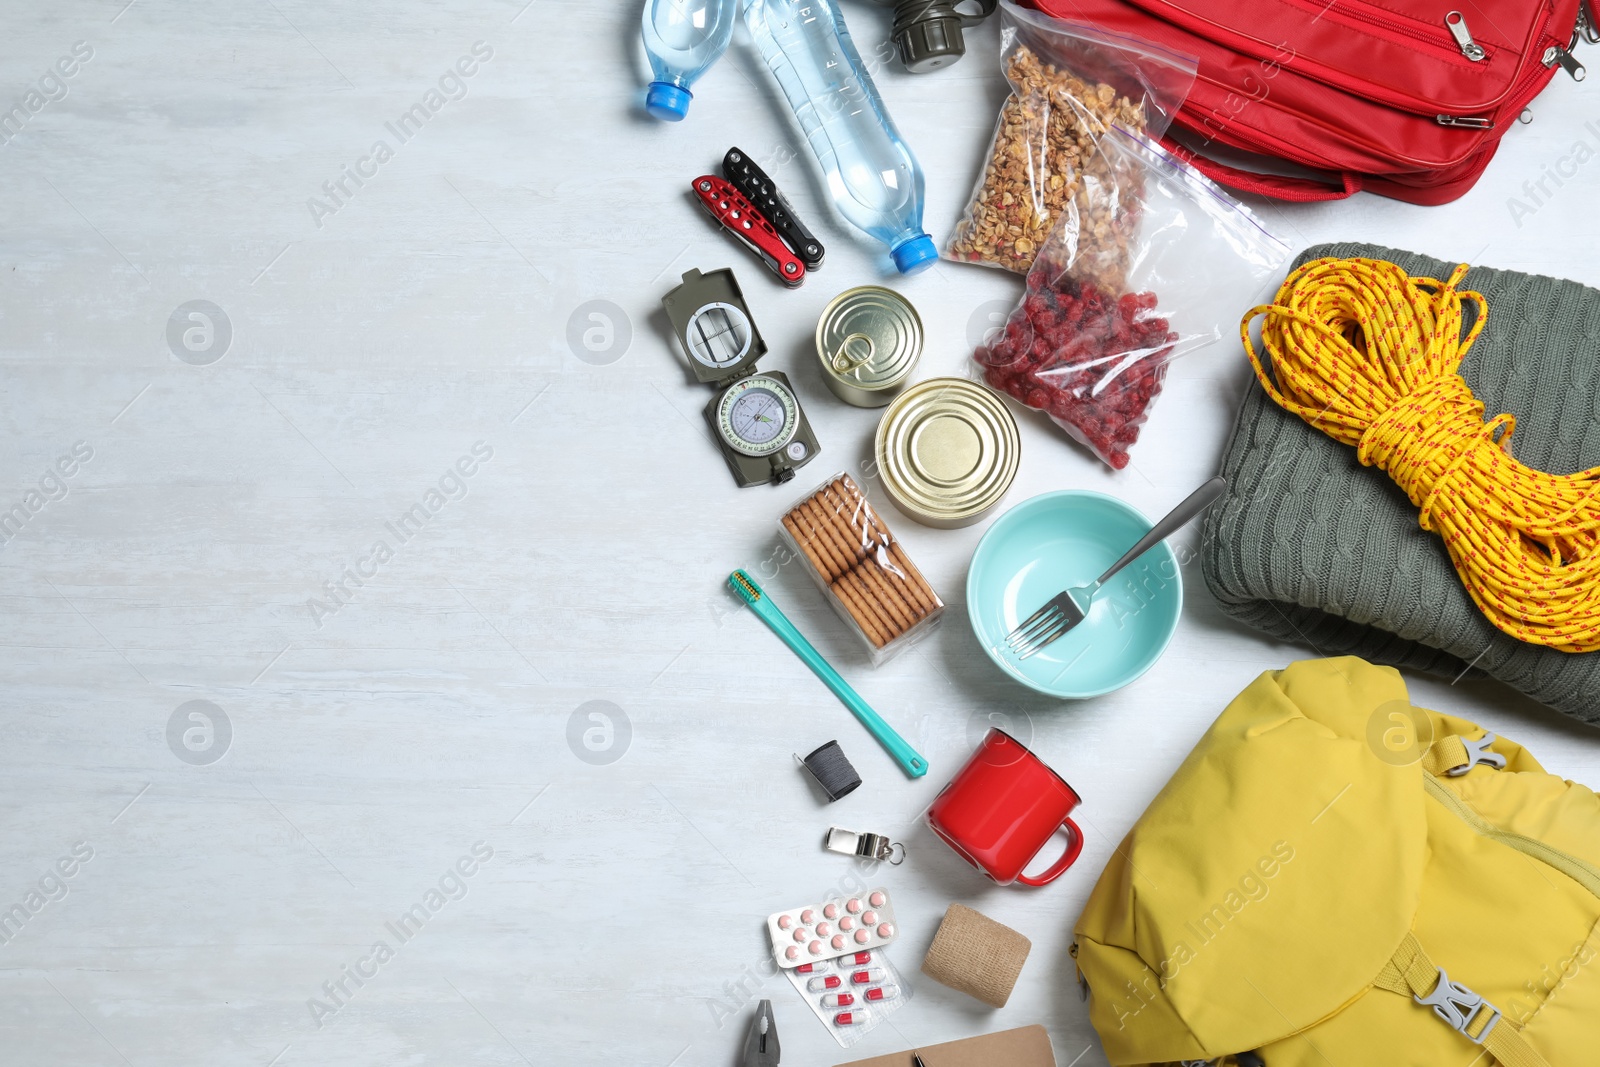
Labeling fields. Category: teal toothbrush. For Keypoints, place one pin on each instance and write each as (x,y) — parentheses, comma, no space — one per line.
(903,754)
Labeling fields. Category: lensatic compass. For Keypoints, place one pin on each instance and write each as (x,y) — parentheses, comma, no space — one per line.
(755,417)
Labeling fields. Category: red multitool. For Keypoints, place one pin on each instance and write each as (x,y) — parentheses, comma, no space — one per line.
(741,218)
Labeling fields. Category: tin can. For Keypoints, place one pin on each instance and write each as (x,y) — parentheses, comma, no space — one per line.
(947,450)
(868,339)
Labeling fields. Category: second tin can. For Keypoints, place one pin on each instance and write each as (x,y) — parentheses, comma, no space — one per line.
(947,451)
(868,340)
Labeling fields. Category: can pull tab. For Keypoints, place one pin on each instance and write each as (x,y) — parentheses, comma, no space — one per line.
(843,362)
(871,846)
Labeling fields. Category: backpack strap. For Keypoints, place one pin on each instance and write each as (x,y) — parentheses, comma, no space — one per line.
(1410,972)
(1454,755)
(1277,186)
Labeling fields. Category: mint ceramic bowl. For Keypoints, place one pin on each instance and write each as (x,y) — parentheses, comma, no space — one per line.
(1057,541)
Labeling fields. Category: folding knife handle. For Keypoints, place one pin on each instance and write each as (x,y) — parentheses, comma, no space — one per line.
(763,192)
(741,218)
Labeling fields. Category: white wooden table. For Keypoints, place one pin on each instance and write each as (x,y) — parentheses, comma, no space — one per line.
(373,738)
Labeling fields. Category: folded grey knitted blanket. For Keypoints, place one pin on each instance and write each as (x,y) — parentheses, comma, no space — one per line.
(1312,547)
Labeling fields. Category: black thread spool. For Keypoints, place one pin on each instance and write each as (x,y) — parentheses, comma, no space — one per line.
(832,770)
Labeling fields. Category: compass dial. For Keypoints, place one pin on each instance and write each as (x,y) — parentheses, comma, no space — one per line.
(758,415)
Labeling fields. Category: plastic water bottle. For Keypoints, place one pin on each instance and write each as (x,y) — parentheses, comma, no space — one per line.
(871,175)
(684,38)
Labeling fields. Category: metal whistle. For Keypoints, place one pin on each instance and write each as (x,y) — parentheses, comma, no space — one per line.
(871,846)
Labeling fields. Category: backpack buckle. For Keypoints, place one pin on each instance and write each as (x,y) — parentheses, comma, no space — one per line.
(1459,1007)
(1478,752)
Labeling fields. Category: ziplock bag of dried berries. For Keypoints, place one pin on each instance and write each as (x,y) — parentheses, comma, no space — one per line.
(1069,82)
(1146,263)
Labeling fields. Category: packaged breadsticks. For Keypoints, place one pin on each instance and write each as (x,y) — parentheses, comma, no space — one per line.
(861,568)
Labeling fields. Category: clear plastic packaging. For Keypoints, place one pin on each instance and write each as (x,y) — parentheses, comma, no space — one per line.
(1145,258)
(1069,83)
(861,567)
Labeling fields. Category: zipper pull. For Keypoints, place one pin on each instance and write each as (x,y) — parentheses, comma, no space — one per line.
(1569,62)
(1457,24)
(1471,122)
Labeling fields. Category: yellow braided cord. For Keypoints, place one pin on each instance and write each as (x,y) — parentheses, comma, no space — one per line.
(1369,356)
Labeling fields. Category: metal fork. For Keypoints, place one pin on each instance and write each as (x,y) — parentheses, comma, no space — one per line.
(1068,608)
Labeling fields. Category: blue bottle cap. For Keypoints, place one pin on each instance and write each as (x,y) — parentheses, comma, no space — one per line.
(667,102)
(914,255)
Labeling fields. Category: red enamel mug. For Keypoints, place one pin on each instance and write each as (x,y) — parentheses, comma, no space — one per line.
(1002,808)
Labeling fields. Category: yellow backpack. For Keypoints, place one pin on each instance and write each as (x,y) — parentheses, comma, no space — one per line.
(1334,878)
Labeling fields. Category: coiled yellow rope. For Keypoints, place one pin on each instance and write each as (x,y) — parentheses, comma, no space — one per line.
(1369,356)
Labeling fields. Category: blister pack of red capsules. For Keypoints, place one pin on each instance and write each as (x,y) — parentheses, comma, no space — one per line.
(1147,262)
(851,994)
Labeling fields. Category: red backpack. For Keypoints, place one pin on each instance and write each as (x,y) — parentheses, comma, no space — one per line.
(1404,98)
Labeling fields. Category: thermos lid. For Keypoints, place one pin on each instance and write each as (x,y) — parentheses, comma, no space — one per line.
(868,339)
(947,450)
(929,44)
(927,33)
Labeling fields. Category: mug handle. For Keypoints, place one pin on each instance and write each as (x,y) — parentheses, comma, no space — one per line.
(1068,858)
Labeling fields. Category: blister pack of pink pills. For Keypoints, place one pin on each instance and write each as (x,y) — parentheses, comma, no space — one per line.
(852,993)
(816,932)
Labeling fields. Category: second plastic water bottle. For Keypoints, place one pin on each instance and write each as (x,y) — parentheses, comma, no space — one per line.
(871,175)
(683,39)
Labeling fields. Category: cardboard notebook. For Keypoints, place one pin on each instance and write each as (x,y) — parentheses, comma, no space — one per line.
(1028,1046)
